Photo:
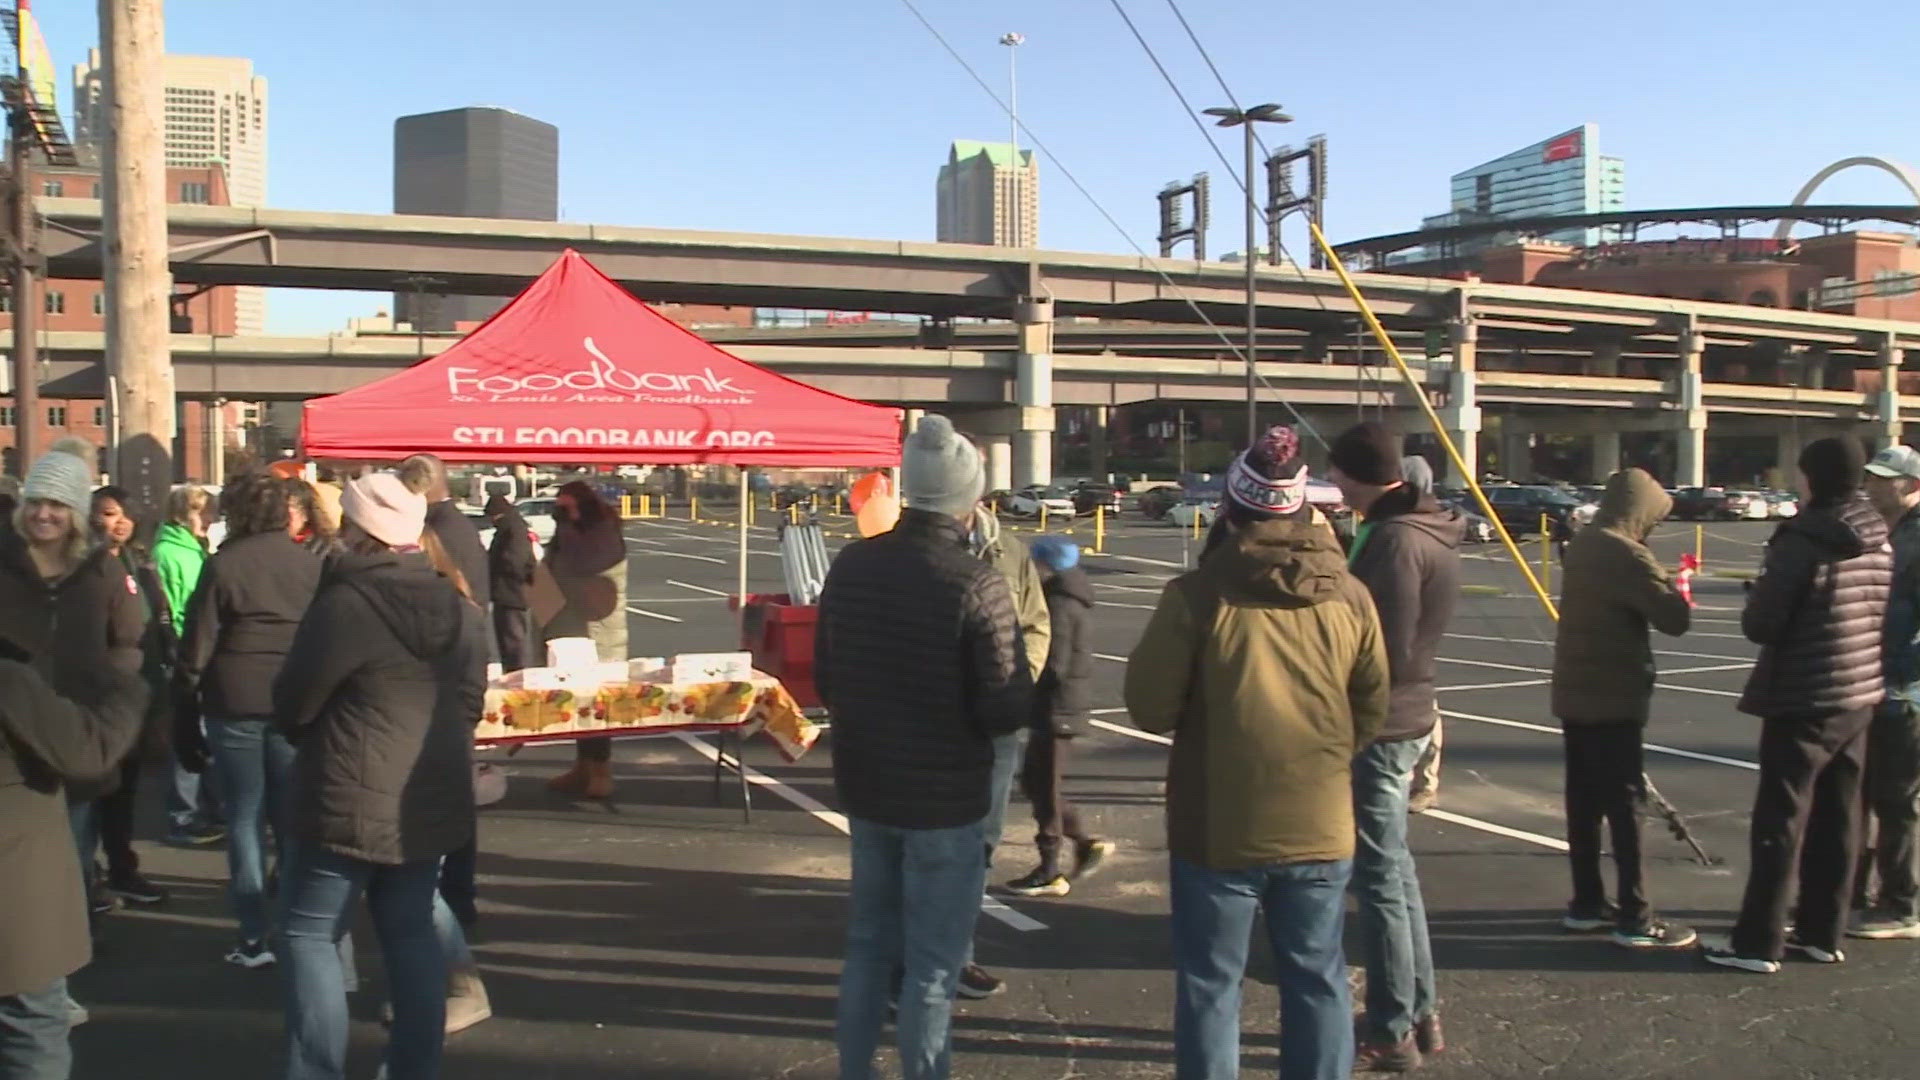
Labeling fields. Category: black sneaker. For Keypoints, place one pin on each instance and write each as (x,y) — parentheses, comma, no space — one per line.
(975,983)
(101,902)
(1590,921)
(1718,949)
(196,836)
(250,954)
(1655,934)
(1041,882)
(1814,952)
(1089,855)
(134,888)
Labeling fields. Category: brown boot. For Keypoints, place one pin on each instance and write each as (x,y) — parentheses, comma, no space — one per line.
(571,782)
(599,781)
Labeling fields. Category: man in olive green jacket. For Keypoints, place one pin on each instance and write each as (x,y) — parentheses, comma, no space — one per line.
(1267,667)
(1612,592)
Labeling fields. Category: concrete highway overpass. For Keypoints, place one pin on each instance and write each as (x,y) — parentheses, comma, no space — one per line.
(1486,332)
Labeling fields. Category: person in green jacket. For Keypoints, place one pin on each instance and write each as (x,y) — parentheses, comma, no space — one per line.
(179,554)
(180,547)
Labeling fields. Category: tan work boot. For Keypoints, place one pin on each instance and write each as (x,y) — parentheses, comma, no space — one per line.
(467,1002)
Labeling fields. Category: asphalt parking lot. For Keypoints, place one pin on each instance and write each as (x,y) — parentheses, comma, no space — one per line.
(658,935)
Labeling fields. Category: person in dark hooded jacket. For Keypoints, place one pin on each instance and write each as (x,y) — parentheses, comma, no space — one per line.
(1613,592)
(510,565)
(379,696)
(1062,700)
(1406,551)
(1816,612)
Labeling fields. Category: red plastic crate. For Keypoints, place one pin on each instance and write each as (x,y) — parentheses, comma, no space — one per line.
(779,634)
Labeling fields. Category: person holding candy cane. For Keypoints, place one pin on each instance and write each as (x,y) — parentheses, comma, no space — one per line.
(1612,592)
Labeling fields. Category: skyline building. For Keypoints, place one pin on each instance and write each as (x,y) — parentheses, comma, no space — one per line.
(216,114)
(1565,174)
(983,197)
(479,161)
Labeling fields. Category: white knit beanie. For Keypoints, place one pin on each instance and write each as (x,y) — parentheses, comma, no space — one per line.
(383,507)
(63,475)
(940,471)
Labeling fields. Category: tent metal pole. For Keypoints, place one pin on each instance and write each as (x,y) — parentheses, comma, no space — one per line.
(744,496)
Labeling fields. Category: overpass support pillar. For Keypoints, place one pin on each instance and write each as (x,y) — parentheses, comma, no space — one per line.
(1461,417)
(1606,455)
(1888,427)
(1097,420)
(1033,393)
(999,452)
(1690,468)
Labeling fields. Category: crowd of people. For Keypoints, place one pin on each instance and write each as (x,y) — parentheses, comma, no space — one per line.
(307,685)
(317,674)
(1294,679)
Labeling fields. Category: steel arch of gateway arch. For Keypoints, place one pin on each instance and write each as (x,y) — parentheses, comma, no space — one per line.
(1903,173)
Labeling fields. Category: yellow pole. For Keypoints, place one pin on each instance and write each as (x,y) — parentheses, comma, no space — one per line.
(1699,544)
(626,506)
(1419,394)
(693,507)
(1099,528)
(1043,517)
(1196,523)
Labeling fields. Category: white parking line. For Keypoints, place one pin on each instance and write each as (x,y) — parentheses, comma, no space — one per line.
(698,588)
(1110,656)
(1655,747)
(1457,819)
(1549,645)
(836,820)
(652,614)
(1490,686)
(684,555)
(1125,588)
(1150,562)
(1136,607)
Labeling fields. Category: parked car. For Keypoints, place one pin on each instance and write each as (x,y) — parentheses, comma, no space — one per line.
(1092,495)
(1745,506)
(1479,529)
(1029,501)
(1782,504)
(1697,503)
(1521,509)
(1155,502)
(792,495)
(1204,508)
(539,516)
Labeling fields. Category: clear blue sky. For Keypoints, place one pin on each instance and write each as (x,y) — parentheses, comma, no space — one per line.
(832,118)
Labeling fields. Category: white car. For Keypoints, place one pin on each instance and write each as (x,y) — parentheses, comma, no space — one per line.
(539,516)
(1201,508)
(486,531)
(1029,501)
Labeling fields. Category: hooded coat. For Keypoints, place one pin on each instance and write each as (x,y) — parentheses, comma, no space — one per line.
(1612,592)
(1408,557)
(75,628)
(461,539)
(1009,555)
(589,565)
(1063,695)
(178,556)
(1816,612)
(1268,667)
(380,694)
(510,560)
(48,740)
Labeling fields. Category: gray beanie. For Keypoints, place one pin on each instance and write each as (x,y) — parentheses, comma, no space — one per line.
(940,471)
(1418,473)
(62,475)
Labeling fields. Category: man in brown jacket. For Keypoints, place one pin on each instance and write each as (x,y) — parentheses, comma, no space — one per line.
(46,742)
(1268,668)
(1612,592)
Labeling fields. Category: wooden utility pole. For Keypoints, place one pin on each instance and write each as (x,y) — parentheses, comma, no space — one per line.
(139,284)
(23,259)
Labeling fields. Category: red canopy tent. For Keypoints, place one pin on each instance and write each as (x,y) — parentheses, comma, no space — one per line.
(577,370)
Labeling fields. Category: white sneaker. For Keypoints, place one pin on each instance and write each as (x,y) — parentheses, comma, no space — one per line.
(1718,949)
(1814,952)
(76,1013)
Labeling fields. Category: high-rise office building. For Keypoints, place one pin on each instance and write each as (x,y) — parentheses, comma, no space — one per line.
(1566,174)
(985,197)
(216,113)
(473,162)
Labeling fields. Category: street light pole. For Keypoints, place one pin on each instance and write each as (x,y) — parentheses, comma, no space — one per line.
(1245,119)
(1015,210)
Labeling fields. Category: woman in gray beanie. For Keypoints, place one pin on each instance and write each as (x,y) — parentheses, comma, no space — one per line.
(74,613)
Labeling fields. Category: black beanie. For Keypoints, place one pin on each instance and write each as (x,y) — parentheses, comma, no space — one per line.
(1368,453)
(497,504)
(1832,468)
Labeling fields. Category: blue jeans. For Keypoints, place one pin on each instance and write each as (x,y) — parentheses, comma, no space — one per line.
(33,1035)
(322,890)
(1213,912)
(1007,753)
(255,766)
(1393,915)
(915,895)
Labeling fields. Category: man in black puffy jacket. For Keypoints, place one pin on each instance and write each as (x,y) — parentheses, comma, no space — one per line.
(1816,612)
(917,656)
